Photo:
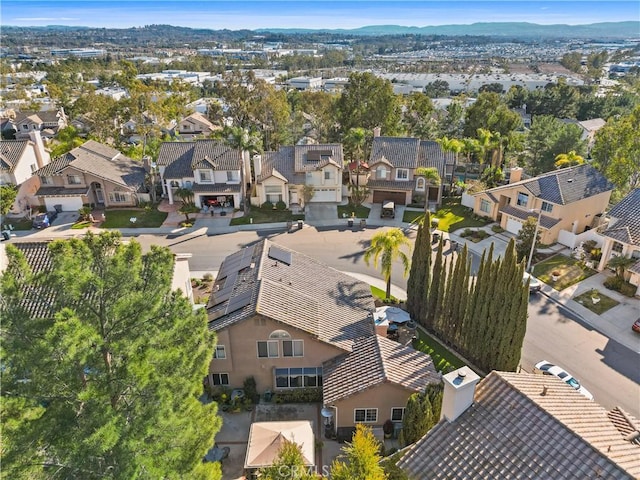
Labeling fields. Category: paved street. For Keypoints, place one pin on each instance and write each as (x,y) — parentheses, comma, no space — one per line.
(608,369)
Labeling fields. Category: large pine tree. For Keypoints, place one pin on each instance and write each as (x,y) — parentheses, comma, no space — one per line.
(103,381)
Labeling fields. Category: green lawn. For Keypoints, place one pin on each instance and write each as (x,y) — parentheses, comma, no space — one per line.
(80,225)
(117,218)
(453,216)
(571,271)
(261,215)
(20,223)
(602,306)
(345,211)
(443,359)
(381,294)
(412,216)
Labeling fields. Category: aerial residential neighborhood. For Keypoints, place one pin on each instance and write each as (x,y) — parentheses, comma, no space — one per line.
(236,244)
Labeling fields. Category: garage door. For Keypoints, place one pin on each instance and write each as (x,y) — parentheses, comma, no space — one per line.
(513,226)
(379,196)
(69,204)
(324,195)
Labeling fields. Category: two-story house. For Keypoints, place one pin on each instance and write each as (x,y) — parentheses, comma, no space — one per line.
(196,125)
(19,159)
(393,163)
(282,175)
(209,168)
(92,173)
(566,199)
(291,323)
(621,234)
(523,425)
(47,122)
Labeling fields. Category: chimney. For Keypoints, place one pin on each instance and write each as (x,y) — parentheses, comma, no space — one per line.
(257,165)
(376,132)
(42,156)
(515,175)
(459,389)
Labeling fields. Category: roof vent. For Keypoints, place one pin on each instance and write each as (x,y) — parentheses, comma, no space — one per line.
(569,180)
(544,391)
(462,374)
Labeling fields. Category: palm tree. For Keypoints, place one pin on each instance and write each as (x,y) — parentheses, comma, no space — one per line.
(485,138)
(385,248)
(247,143)
(455,146)
(620,264)
(570,159)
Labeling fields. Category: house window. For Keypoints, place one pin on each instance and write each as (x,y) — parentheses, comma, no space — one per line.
(365,415)
(205,176)
(34,167)
(268,349)
(273,193)
(523,199)
(293,348)
(220,378)
(174,184)
(402,174)
(118,197)
(232,176)
(74,179)
(546,207)
(46,180)
(276,334)
(617,247)
(220,352)
(25,127)
(397,414)
(327,175)
(298,377)
(420,184)
(484,206)
(381,172)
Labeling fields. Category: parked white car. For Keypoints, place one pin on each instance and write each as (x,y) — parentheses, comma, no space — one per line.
(534,284)
(548,368)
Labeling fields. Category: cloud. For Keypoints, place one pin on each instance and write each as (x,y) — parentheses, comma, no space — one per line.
(45,19)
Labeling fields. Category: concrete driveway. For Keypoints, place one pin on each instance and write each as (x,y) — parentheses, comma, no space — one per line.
(321,212)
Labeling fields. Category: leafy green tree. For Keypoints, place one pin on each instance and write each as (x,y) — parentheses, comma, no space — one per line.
(418,116)
(8,194)
(360,459)
(430,174)
(619,264)
(492,176)
(454,146)
(525,238)
(572,61)
(289,465)
(354,144)
(368,102)
(548,138)
(385,248)
(437,88)
(422,413)
(570,159)
(103,382)
(66,140)
(489,112)
(418,282)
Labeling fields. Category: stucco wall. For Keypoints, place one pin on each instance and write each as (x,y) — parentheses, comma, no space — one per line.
(240,341)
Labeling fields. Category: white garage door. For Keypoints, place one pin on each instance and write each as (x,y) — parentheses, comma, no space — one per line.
(69,204)
(513,226)
(324,195)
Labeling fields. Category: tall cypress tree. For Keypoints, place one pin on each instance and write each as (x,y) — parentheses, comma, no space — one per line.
(434,290)
(418,275)
(460,294)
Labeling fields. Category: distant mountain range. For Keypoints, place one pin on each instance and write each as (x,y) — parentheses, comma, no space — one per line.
(618,30)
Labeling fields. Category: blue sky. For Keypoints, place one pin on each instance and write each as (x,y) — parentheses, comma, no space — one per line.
(237,14)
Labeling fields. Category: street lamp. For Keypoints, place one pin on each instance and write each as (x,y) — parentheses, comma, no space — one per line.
(535,237)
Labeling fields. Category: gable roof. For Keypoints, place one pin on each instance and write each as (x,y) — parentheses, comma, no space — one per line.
(100,160)
(297,291)
(525,425)
(431,155)
(43,116)
(401,152)
(292,162)
(626,228)
(563,186)
(197,118)
(182,158)
(11,152)
(372,361)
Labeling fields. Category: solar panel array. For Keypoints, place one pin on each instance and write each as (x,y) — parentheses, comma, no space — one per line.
(223,301)
(280,255)
(235,304)
(236,262)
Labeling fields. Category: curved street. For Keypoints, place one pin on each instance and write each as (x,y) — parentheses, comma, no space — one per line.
(606,368)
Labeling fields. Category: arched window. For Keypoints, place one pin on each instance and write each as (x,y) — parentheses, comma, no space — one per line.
(420,183)
(381,172)
(279,334)
(174,183)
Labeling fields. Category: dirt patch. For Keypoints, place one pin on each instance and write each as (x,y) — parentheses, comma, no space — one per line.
(277,413)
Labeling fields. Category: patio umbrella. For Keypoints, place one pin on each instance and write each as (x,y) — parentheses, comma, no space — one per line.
(391,315)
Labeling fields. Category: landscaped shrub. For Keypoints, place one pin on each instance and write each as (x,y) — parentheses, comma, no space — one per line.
(619,285)
(497,229)
(466,233)
(481,234)
(281,205)
(299,395)
(250,390)
(267,205)
(207,277)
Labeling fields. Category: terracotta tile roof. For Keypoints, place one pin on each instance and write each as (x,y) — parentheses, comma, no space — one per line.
(374,360)
(99,160)
(527,426)
(401,152)
(306,294)
(545,221)
(11,152)
(564,186)
(182,158)
(626,228)
(635,268)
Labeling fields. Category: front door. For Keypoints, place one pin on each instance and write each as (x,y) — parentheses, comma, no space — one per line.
(99,195)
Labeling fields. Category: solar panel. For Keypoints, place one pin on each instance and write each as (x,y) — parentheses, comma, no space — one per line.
(239,301)
(217,312)
(280,255)
(236,262)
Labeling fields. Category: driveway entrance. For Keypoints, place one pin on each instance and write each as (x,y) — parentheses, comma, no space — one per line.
(321,212)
